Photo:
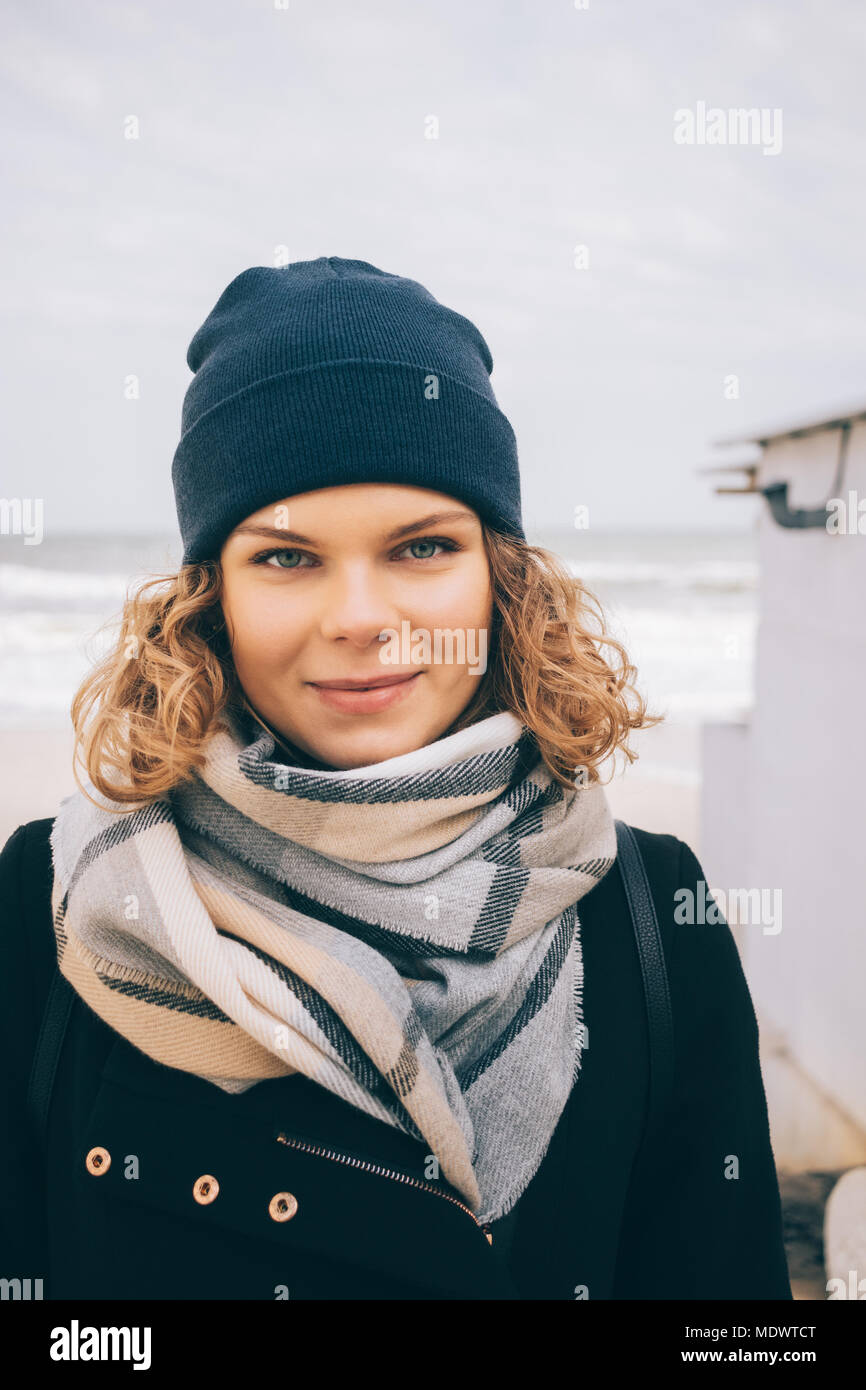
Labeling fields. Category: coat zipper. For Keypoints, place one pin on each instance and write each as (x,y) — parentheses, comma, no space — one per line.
(353,1162)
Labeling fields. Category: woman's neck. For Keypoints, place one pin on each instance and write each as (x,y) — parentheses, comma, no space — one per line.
(284,751)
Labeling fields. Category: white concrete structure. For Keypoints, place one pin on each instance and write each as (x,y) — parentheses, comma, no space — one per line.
(784,792)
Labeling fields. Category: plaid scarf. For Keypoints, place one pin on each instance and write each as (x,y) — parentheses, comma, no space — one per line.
(405,934)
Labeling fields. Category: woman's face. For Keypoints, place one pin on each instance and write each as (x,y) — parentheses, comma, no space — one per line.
(311,582)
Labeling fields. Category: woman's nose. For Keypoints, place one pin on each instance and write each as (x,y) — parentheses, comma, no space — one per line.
(357,604)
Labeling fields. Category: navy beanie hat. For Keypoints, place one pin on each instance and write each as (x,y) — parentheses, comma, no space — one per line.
(328,372)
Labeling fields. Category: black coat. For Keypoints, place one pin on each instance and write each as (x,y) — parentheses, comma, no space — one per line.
(594,1222)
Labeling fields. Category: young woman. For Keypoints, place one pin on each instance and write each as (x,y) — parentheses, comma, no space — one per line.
(349,1002)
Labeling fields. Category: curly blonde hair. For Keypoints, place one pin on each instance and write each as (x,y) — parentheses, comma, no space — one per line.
(144,713)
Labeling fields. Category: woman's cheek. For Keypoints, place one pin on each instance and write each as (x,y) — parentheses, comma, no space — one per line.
(262,623)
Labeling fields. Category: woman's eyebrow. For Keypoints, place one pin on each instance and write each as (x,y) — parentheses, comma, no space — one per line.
(277,533)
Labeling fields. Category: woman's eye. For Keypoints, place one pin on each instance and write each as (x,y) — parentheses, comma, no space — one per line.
(285,559)
(425,541)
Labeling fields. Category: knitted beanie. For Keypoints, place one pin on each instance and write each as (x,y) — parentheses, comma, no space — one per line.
(328,372)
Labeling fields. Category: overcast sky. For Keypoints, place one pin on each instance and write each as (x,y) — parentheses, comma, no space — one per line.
(304,127)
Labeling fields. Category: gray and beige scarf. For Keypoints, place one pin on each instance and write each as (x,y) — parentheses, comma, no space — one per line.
(405,934)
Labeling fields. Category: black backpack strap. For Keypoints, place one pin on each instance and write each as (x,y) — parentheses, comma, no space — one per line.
(655,978)
(58,1007)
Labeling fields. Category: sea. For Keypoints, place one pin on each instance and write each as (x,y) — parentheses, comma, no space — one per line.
(683,603)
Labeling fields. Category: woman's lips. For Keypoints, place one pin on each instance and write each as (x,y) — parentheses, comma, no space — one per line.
(366,701)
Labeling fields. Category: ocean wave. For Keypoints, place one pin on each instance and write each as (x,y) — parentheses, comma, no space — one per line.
(709,574)
(39,632)
(60,587)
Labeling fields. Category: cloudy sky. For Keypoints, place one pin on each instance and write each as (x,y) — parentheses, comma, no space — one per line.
(305,126)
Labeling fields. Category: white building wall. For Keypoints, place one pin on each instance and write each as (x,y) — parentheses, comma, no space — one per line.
(798,823)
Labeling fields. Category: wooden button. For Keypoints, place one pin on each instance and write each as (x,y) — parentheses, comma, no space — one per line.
(205,1189)
(282,1206)
(98,1161)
